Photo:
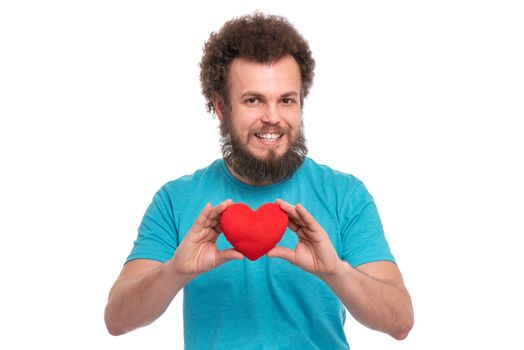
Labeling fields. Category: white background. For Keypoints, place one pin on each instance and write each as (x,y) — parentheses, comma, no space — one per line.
(100,105)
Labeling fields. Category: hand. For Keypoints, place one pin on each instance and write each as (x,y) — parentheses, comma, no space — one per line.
(198,253)
(314,251)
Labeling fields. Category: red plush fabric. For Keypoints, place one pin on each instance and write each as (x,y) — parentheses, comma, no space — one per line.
(253,233)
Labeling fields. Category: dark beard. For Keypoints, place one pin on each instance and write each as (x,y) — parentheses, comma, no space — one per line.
(259,171)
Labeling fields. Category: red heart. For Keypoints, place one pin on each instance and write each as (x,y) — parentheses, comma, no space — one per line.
(253,233)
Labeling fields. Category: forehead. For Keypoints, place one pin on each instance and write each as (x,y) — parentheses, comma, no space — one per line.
(281,76)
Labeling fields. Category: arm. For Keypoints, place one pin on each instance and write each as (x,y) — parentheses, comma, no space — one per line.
(374,293)
(142,292)
(145,288)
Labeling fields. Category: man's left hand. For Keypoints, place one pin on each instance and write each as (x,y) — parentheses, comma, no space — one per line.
(314,251)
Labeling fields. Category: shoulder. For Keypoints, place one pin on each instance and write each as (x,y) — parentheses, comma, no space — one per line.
(183,188)
(191,180)
(329,176)
(344,189)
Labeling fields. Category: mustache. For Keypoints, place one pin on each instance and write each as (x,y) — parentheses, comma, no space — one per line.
(271,129)
(270,169)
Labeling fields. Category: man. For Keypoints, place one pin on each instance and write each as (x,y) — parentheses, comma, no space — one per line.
(255,73)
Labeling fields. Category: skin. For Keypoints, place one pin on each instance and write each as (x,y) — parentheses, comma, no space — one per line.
(262,97)
(374,293)
(145,288)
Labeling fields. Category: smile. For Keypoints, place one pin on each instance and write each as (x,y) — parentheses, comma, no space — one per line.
(269,138)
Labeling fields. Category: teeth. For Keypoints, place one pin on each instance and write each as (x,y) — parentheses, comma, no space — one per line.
(269,137)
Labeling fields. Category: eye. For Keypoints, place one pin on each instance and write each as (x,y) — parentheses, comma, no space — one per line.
(288,100)
(251,100)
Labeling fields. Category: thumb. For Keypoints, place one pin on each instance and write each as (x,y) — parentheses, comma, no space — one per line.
(227,255)
(282,253)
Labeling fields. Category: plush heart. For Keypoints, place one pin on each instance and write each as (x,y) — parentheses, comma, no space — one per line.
(253,233)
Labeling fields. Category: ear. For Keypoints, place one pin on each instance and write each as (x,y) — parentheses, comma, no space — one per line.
(219,106)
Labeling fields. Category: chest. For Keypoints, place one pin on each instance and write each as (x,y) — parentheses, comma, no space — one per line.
(324,212)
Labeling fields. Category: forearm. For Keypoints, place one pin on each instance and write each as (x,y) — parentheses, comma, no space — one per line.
(137,301)
(377,304)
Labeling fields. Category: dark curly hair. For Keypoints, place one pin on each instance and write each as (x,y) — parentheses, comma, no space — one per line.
(259,38)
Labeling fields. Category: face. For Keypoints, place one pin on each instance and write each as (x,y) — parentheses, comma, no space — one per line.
(262,137)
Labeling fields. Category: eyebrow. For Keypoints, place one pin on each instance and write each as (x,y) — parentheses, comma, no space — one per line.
(257,94)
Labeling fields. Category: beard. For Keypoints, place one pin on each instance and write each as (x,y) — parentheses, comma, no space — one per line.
(266,170)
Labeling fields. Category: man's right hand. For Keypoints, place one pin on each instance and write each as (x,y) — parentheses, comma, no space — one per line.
(198,253)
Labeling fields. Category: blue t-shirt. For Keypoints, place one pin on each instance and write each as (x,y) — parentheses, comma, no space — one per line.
(268,303)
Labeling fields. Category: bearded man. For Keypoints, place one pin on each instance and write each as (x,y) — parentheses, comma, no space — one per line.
(256,72)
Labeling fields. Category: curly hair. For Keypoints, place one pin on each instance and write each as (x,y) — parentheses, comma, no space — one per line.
(258,38)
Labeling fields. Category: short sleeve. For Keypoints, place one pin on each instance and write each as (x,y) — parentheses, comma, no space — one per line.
(157,237)
(363,238)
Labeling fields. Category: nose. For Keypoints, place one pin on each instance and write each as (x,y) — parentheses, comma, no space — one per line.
(271,114)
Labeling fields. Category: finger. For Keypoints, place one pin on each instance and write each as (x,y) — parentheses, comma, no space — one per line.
(202,218)
(297,229)
(289,209)
(307,218)
(220,208)
(217,229)
(293,225)
(229,254)
(282,253)
(214,226)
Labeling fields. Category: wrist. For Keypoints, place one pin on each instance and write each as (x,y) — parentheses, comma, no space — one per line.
(335,271)
(174,274)
(339,271)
